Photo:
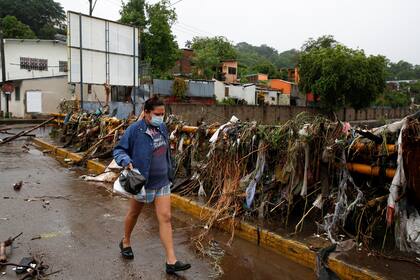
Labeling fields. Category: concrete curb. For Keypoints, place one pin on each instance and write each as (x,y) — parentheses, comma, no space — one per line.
(291,249)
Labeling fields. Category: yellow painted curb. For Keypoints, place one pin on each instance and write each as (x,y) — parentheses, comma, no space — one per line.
(92,165)
(288,248)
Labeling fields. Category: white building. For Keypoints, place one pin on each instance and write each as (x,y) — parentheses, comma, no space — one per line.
(32,59)
(246,92)
(272,97)
(38,71)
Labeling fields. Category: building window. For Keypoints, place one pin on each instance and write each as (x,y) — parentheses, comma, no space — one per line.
(232,70)
(62,66)
(29,64)
(273,99)
(17,93)
(121,94)
(226,92)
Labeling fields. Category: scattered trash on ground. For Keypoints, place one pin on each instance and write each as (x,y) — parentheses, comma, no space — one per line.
(111,173)
(17,186)
(31,268)
(47,235)
(3,247)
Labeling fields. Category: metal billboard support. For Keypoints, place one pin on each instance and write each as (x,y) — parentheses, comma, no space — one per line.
(110,55)
(81,61)
(134,69)
(3,69)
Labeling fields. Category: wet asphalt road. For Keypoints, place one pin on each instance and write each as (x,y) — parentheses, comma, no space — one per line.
(80,225)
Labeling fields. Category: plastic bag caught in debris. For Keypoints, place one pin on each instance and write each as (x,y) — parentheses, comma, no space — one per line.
(323,272)
(214,137)
(398,181)
(255,175)
(342,206)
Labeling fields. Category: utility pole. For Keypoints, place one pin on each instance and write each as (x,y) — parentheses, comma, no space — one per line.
(90,7)
(89,87)
(3,70)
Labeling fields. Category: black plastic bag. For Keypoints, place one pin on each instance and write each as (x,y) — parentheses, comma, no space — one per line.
(323,272)
(132,181)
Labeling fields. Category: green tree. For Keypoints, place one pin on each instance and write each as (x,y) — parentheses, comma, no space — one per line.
(44,17)
(339,75)
(415,91)
(323,42)
(288,59)
(179,88)
(208,52)
(134,13)
(394,99)
(266,67)
(13,28)
(251,58)
(158,43)
(403,70)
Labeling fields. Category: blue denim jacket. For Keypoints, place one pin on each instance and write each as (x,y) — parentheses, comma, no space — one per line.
(136,147)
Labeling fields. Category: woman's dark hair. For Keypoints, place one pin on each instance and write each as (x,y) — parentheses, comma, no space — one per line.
(152,103)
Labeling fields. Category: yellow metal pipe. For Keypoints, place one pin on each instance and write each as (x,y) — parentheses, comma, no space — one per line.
(363,147)
(193,129)
(370,170)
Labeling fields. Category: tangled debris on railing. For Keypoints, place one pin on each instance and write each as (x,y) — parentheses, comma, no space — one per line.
(309,173)
(305,169)
(94,134)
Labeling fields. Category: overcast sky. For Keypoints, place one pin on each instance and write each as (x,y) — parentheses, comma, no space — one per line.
(387,27)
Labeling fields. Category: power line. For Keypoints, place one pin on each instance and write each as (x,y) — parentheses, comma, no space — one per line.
(202,33)
(177,28)
(195,28)
(191,31)
(175,3)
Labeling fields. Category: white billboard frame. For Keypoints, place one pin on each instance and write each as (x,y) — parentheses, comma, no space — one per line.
(102,51)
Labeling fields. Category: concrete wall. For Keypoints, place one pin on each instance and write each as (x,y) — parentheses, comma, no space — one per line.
(53,90)
(98,92)
(270,114)
(219,113)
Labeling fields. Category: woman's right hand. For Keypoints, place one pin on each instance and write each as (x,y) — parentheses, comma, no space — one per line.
(130,166)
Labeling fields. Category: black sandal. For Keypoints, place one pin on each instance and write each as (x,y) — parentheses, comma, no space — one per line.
(178,266)
(127,252)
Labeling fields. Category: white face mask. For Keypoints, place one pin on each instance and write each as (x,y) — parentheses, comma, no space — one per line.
(156,120)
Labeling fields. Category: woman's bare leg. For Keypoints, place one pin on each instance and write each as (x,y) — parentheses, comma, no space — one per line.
(163,213)
(131,220)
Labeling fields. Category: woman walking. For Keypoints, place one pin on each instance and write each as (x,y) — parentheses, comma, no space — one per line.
(145,146)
